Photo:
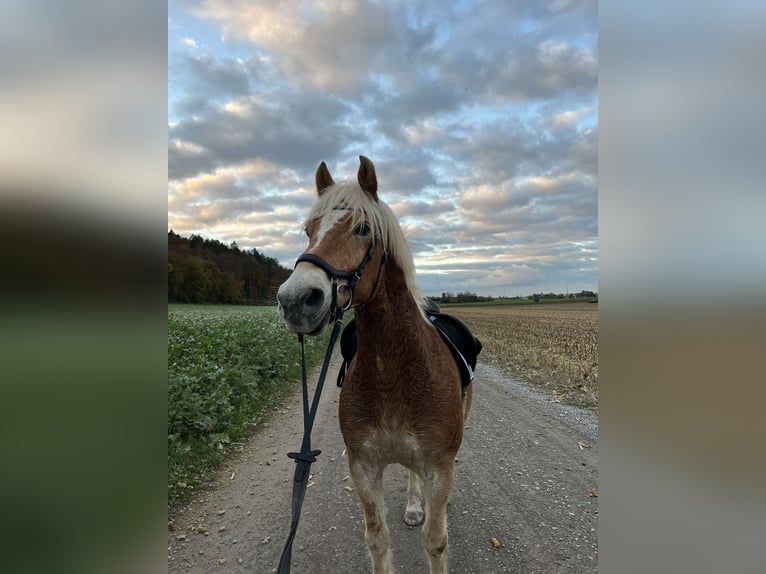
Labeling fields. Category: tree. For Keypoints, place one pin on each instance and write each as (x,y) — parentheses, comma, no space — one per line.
(209,271)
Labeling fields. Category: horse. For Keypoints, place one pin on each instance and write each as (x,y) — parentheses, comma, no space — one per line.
(401,401)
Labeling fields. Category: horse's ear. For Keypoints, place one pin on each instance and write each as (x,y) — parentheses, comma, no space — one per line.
(366,176)
(323,178)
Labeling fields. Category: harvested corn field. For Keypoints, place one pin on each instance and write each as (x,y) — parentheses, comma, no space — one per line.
(551,346)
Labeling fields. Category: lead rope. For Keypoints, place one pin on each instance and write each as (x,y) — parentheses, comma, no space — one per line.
(306,456)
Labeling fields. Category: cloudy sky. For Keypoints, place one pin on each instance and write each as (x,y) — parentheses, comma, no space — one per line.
(480,116)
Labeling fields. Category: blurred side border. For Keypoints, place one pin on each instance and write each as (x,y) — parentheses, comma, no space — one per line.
(83,340)
(682,274)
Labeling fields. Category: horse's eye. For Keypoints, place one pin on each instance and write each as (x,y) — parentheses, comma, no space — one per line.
(306,231)
(362,230)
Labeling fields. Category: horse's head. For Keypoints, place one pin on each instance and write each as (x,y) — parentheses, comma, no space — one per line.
(343,261)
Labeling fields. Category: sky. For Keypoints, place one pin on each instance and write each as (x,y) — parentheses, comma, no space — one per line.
(481,118)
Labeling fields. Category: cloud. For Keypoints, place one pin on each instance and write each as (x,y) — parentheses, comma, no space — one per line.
(298,129)
(568,119)
(480,118)
(205,79)
(329,46)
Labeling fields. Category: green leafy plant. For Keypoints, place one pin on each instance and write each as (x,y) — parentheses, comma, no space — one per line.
(226,366)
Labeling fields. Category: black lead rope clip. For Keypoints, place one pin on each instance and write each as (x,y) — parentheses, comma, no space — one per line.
(309,457)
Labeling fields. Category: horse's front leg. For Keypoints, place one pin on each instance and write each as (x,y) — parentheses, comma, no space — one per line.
(414,512)
(437,486)
(368,481)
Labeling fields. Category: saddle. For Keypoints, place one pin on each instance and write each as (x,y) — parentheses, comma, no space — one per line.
(465,348)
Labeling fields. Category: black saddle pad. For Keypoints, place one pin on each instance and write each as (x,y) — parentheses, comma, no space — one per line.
(465,348)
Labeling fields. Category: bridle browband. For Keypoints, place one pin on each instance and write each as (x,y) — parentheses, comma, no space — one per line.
(307,456)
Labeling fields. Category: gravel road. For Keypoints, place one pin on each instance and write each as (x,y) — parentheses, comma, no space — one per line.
(527,476)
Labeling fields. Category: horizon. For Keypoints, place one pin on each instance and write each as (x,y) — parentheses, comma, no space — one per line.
(448,293)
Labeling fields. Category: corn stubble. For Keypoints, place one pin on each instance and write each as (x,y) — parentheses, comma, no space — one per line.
(551,346)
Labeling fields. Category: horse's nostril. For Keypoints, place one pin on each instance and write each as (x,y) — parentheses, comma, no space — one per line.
(314,298)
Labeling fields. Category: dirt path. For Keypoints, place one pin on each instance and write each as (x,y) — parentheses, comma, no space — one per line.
(522,478)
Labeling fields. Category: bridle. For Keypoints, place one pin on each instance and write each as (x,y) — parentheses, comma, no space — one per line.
(306,456)
(338,274)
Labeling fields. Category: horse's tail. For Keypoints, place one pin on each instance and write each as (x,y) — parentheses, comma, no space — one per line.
(467,402)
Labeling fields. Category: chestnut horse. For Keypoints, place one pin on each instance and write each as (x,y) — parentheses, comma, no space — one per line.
(401,398)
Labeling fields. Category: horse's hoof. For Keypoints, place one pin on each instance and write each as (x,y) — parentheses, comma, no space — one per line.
(413,516)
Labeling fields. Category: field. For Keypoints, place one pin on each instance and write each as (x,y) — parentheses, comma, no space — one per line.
(226,366)
(551,346)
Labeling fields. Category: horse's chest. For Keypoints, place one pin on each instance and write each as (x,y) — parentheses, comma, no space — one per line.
(381,428)
(384,447)
(382,416)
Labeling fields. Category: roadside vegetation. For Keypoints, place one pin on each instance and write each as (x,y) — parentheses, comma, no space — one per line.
(226,366)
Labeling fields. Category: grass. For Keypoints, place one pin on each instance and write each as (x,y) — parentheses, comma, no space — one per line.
(551,346)
(226,366)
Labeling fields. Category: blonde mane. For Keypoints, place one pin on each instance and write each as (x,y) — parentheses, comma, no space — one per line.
(383,222)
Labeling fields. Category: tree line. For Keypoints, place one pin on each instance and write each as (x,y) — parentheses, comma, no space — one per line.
(204,270)
(468,297)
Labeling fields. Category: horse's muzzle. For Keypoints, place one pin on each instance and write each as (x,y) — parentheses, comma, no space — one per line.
(305,310)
